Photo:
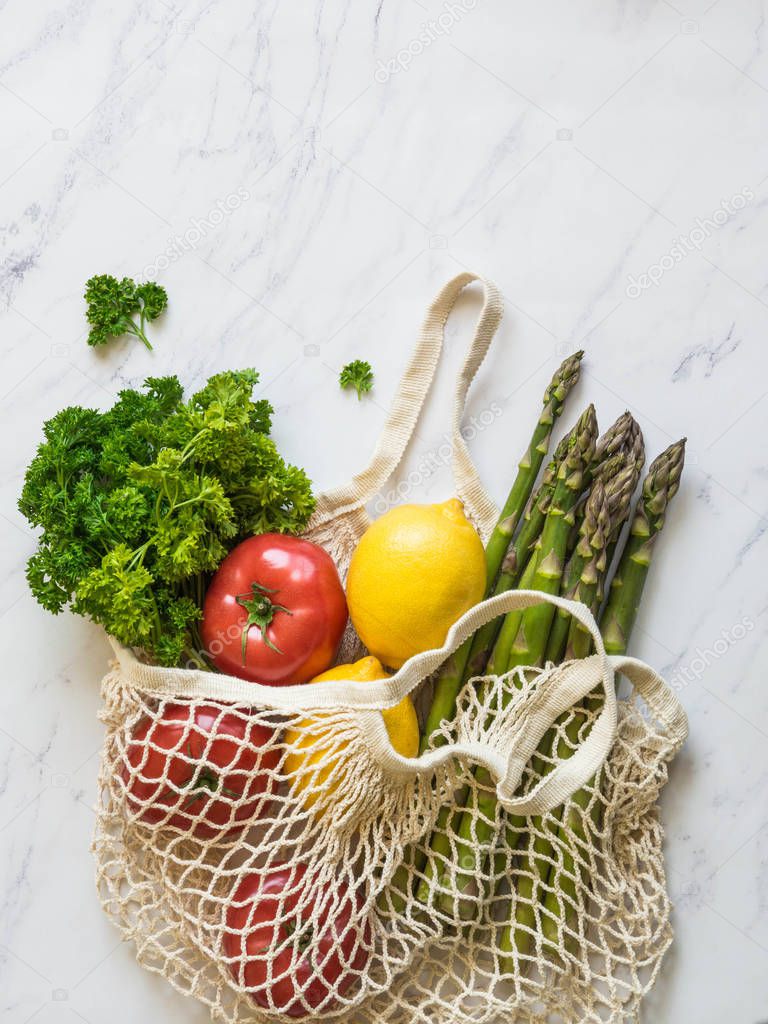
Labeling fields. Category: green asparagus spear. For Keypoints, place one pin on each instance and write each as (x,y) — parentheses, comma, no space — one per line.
(635,452)
(553,401)
(516,560)
(618,618)
(528,645)
(450,681)
(440,844)
(454,672)
(659,487)
(476,831)
(537,849)
(618,439)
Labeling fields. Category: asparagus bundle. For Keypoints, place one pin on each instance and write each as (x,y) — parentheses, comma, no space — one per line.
(558,899)
(476,830)
(524,637)
(566,542)
(619,458)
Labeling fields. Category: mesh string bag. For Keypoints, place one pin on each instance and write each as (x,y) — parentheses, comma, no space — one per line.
(268,852)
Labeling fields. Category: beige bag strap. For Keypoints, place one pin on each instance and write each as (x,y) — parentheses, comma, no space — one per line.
(658,697)
(558,689)
(196,684)
(407,405)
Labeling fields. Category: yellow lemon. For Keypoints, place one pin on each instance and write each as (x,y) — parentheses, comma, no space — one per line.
(305,741)
(416,570)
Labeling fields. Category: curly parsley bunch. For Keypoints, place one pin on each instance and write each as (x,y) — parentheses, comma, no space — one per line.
(138,505)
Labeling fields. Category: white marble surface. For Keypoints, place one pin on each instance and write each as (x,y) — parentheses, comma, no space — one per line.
(555,147)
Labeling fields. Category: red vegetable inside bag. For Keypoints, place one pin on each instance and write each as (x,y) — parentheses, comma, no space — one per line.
(291,963)
(200,769)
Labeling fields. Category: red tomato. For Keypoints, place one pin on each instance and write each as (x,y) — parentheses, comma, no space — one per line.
(189,767)
(275,611)
(271,916)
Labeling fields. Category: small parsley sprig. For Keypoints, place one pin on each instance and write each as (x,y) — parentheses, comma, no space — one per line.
(357,374)
(113,306)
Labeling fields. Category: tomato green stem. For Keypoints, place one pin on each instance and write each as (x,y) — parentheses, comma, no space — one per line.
(261,610)
(306,934)
(207,781)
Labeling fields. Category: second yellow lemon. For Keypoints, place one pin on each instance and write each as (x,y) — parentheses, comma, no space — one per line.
(415,571)
(314,751)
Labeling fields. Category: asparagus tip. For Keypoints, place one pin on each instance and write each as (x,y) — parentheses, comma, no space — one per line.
(563,379)
(662,482)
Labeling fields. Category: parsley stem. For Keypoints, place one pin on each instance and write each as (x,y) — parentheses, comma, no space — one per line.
(139,333)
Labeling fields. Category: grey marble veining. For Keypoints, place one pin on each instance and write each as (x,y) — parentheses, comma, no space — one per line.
(586,157)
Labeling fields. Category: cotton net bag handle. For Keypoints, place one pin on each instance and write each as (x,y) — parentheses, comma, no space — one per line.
(409,401)
(558,689)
